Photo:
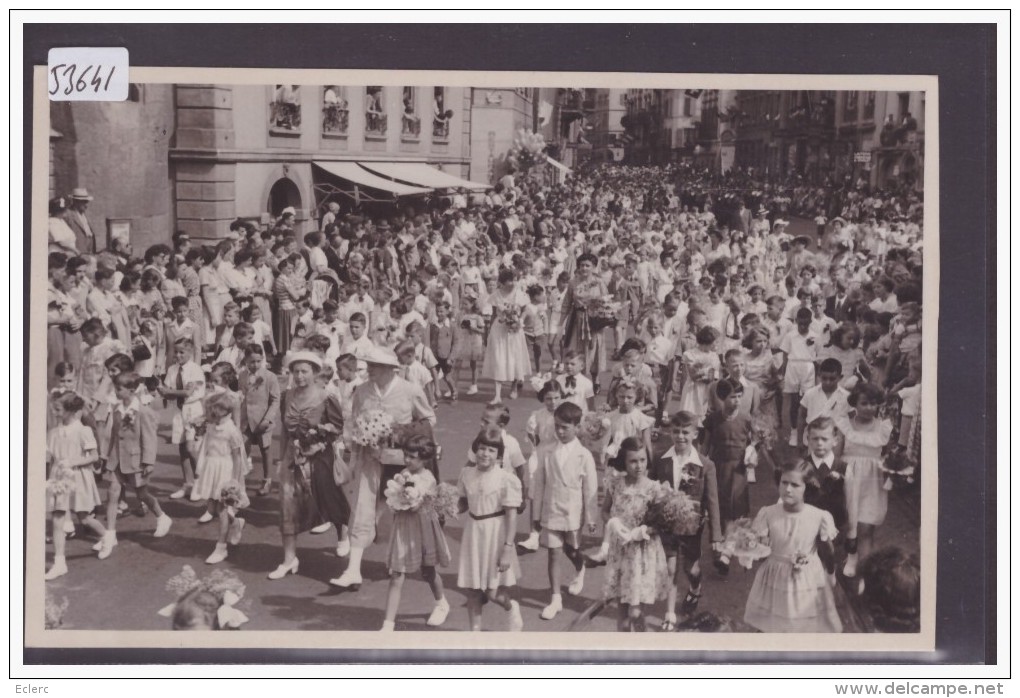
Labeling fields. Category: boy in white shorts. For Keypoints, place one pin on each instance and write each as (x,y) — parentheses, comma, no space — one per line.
(800,349)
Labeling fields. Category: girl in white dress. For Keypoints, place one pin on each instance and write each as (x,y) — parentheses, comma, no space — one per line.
(222,466)
(864,437)
(506,355)
(70,452)
(488,559)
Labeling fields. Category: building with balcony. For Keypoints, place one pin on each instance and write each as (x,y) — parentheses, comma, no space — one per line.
(607,131)
(880,137)
(495,115)
(716,132)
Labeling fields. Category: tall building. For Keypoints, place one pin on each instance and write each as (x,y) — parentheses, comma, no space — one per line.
(681,120)
(880,137)
(716,132)
(606,120)
(495,116)
(196,157)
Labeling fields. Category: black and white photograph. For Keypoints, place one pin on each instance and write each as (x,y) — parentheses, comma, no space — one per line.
(643,357)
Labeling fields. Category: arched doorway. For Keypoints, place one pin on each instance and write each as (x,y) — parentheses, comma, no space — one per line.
(284,193)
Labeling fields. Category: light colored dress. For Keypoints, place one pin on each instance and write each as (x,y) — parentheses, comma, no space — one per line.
(216,463)
(636,571)
(484,539)
(71,442)
(788,600)
(506,355)
(703,369)
(417,539)
(866,497)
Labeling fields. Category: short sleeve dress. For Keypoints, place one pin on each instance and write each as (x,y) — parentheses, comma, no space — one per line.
(72,442)
(636,571)
(789,598)
(417,539)
(488,493)
(506,354)
(866,497)
(216,463)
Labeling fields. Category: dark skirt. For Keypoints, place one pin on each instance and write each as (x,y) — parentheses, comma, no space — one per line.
(329,499)
(298,509)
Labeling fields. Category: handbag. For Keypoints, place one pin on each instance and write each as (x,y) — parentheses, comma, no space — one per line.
(343,469)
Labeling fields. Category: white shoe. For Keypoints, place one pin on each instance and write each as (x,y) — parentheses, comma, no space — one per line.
(106,544)
(322,528)
(577,585)
(162,526)
(554,607)
(348,580)
(515,623)
(388,626)
(59,569)
(531,543)
(122,507)
(179,494)
(793,439)
(600,555)
(850,568)
(343,548)
(69,526)
(234,534)
(472,390)
(439,613)
(219,554)
(205,517)
(109,535)
(284,569)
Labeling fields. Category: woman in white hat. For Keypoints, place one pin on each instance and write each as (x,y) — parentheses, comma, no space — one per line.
(407,404)
(308,494)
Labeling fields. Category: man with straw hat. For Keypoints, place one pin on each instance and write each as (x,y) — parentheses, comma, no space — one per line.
(407,404)
(84,238)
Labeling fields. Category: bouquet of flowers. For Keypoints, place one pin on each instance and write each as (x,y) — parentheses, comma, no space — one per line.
(445,501)
(743,543)
(315,439)
(61,480)
(510,315)
(897,467)
(198,425)
(673,513)
(223,584)
(405,492)
(800,561)
(603,312)
(372,428)
(700,371)
(54,612)
(537,380)
(232,496)
(595,425)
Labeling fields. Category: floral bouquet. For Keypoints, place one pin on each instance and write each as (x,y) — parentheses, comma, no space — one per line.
(198,425)
(232,496)
(373,428)
(594,425)
(763,433)
(603,312)
(315,439)
(743,543)
(54,612)
(445,501)
(537,380)
(510,316)
(897,468)
(673,513)
(405,492)
(701,371)
(223,584)
(61,480)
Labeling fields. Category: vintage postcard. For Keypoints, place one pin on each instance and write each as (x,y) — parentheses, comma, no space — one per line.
(464,360)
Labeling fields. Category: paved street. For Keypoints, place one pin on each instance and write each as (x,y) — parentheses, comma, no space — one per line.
(126,590)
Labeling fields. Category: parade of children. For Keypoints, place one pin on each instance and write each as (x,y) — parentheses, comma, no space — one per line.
(679,414)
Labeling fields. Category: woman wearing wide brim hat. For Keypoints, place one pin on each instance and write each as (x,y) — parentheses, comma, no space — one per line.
(309,496)
(406,403)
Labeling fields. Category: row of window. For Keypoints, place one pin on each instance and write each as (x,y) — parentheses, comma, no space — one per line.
(333,100)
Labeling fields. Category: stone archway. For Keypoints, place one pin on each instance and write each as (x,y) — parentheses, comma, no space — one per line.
(282,194)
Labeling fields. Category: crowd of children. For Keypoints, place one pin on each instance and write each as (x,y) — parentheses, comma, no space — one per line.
(740,351)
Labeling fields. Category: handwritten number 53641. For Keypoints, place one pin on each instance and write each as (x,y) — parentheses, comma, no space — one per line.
(79,81)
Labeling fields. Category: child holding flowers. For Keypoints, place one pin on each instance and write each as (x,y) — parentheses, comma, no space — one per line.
(222,466)
(488,562)
(506,356)
(791,591)
(700,369)
(416,540)
(637,573)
